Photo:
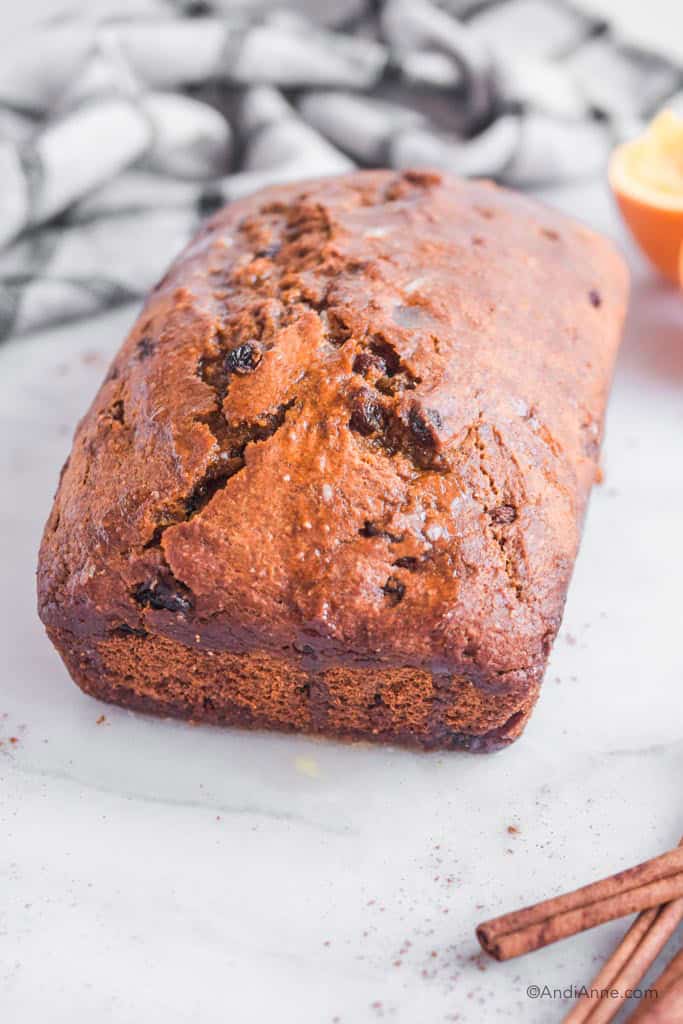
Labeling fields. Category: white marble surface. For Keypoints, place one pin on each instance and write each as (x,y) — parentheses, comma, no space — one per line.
(151,871)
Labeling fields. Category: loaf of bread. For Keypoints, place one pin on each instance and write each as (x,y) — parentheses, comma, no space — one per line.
(334,479)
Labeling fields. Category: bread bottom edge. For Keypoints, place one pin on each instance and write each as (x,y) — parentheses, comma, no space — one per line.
(406,707)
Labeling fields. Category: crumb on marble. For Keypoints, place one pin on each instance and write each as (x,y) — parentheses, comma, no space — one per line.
(307,766)
(91,358)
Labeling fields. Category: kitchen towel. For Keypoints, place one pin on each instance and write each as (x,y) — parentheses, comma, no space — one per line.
(123,125)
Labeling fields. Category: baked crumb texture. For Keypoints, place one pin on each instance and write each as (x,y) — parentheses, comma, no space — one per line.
(334,479)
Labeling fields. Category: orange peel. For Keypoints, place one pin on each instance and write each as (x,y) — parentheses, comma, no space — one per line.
(646,176)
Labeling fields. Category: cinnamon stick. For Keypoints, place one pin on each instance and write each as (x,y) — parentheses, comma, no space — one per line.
(667,1008)
(584,1010)
(656,881)
(628,965)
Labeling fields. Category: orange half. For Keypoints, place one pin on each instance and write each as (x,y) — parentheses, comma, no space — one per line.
(646,176)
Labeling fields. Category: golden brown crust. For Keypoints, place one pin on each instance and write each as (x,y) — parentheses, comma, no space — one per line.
(353,432)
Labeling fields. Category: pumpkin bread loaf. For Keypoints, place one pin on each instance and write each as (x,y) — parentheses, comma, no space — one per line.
(334,479)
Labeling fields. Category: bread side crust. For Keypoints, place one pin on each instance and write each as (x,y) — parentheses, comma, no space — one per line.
(409,707)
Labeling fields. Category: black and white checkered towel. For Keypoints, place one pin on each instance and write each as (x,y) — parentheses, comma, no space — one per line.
(117,135)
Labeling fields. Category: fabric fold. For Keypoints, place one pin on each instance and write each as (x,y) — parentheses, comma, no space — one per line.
(119,131)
